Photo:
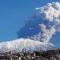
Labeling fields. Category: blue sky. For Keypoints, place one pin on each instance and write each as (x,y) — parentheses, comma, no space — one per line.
(13,14)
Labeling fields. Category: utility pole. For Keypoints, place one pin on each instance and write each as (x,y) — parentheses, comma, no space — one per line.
(11,56)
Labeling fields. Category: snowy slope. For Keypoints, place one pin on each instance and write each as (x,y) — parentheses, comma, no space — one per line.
(19,44)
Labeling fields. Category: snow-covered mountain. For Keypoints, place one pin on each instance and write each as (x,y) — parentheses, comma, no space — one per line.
(18,45)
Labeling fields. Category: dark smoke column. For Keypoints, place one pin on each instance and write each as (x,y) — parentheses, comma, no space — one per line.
(30,28)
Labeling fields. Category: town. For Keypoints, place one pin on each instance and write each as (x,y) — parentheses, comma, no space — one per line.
(37,55)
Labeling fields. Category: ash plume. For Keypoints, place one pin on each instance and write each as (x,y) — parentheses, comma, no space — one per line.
(43,25)
(51,14)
